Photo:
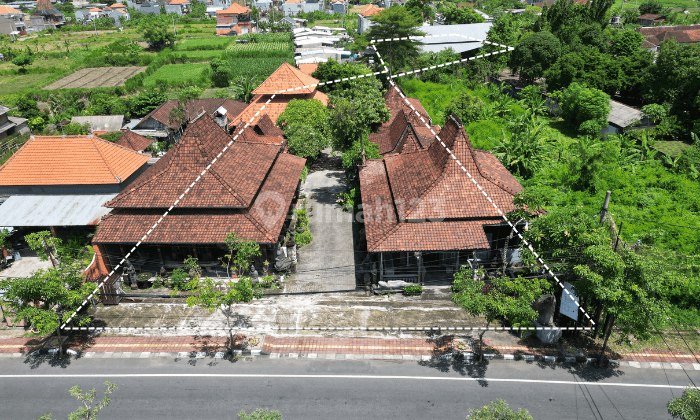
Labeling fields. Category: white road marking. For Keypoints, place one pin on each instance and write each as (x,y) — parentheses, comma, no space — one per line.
(368,377)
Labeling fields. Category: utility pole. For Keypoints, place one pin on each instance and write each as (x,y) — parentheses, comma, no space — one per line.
(95,24)
(610,318)
(174,30)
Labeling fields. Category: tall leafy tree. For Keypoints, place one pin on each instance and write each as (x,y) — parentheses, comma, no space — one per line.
(305,125)
(396,22)
(156,31)
(455,15)
(534,55)
(584,108)
(333,70)
(421,8)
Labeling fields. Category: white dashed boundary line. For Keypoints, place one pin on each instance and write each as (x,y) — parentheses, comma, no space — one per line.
(493,203)
(378,329)
(386,70)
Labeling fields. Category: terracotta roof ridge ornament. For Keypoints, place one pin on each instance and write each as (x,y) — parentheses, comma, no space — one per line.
(92,141)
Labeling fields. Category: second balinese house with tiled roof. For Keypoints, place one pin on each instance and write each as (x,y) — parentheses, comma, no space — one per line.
(249,190)
(235,20)
(163,123)
(424,216)
(62,183)
(363,18)
(285,84)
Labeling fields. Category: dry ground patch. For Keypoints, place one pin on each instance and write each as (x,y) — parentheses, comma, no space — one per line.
(93,77)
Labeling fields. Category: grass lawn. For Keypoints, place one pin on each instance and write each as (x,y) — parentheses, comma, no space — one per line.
(176,73)
(17,83)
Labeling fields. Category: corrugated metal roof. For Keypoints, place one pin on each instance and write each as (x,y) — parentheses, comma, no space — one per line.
(53,210)
(622,115)
(452,36)
(101,122)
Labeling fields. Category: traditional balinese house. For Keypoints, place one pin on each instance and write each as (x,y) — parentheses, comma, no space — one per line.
(425,216)
(363,18)
(63,182)
(285,84)
(650,19)
(160,124)
(683,34)
(11,125)
(248,189)
(235,20)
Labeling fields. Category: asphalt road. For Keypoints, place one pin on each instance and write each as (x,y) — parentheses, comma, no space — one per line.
(163,388)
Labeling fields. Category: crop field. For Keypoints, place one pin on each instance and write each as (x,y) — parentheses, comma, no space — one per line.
(269,37)
(260,49)
(255,67)
(93,77)
(175,73)
(205,55)
(195,44)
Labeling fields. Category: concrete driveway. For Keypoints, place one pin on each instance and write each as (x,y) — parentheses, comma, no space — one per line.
(328,263)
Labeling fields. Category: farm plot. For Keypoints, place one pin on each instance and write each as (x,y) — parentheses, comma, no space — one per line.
(195,44)
(260,49)
(176,73)
(93,77)
(255,67)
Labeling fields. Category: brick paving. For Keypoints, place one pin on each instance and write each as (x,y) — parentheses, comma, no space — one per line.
(311,345)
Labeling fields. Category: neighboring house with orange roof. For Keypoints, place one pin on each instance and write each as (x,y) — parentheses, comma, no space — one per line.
(285,84)
(118,6)
(134,141)
(180,7)
(363,18)
(12,21)
(235,20)
(650,19)
(64,181)
(424,216)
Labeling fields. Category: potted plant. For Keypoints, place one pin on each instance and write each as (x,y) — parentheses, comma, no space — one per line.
(142,280)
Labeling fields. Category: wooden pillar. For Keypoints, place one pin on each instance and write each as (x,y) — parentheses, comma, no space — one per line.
(160,255)
(53,231)
(381,266)
(194,251)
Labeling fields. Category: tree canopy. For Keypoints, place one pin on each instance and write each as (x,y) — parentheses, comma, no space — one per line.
(396,22)
(304,123)
(534,55)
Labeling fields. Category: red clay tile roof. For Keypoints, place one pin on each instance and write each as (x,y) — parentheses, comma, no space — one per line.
(235,8)
(162,113)
(650,16)
(134,141)
(265,127)
(284,78)
(395,103)
(249,135)
(7,10)
(423,200)
(308,68)
(231,182)
(370,10)
(73,160)
(251,168)
(400,135)
(259,107)
(117,5)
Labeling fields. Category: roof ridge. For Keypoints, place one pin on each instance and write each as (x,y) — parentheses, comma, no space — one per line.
(393,204)
(92,141)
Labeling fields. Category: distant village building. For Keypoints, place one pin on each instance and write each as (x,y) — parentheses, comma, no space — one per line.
(339,6)
(623,117)
(292,7)
(466,39)
(11,125)
(235,20)
(100,123)
(363,18)
(650,19)
(262,5)
(46,16)
(654,36)
(12,21)
(179,7)
(133,141)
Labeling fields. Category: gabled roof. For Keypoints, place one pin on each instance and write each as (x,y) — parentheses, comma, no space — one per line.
(650,16)
(134,141)
(308,68)
(423,200)
(73,160)
(231,182)
(235,8)
(370,10)
(179,2)
(8,10)
(209,106)
(286,77)
(95,10)
(394,99)
(117,5)
(260,106)
(623,115)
